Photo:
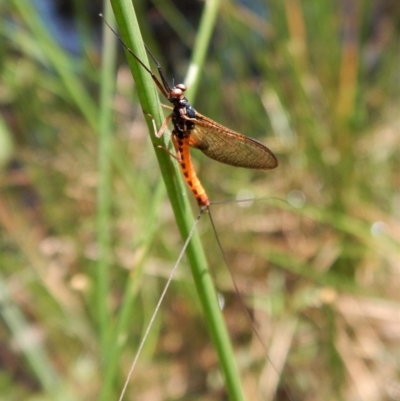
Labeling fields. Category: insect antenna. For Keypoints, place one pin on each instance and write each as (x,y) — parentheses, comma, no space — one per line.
(160,70)
(164,87)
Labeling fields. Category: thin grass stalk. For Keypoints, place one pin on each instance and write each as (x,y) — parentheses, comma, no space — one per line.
(206,28)
(127,23)
(104,190)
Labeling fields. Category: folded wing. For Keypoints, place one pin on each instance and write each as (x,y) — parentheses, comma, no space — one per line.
(226,146)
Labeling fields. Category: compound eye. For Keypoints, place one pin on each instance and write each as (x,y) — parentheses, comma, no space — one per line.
(176,92)
(182,87)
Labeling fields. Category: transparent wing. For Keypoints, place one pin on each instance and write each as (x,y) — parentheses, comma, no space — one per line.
(226,146)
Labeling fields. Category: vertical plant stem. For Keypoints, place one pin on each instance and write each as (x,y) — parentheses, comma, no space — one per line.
(126,19)
(104,180)
(202,42)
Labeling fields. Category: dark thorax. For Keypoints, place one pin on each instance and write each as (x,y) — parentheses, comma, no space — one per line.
(182,112)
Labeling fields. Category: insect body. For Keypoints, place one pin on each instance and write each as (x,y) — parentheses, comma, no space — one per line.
(216,141)
(191,129)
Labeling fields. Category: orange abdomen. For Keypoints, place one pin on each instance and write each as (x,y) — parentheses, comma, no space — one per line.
(188,171)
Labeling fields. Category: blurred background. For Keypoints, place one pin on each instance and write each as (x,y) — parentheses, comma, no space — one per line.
(316,259)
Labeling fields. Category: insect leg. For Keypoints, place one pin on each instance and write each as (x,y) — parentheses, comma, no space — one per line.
(163,127)
(176,157)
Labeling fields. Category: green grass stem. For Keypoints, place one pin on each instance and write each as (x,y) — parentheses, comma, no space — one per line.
(104,188)
(130,33)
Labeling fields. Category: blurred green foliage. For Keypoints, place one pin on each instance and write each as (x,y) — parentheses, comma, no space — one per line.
(316,260)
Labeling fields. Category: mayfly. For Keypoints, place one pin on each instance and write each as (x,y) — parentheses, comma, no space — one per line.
(192,129)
